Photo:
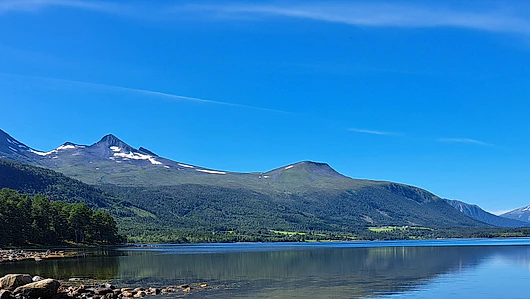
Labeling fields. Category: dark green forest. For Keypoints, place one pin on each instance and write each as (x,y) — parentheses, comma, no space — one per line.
(26,220)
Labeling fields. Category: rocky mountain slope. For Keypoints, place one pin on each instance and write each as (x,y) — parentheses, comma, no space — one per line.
(521,214)
(479,214)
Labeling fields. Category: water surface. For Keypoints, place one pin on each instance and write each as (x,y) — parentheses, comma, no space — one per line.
(406,269)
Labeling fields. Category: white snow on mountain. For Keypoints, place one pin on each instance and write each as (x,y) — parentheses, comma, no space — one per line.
(43,154)
(184,165)
(60,148)
(211,171)
(12,141)
(137,156)
(65,147)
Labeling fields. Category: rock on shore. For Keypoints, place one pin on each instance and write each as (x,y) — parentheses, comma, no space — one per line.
(14,255)
(24,286)
(12,281)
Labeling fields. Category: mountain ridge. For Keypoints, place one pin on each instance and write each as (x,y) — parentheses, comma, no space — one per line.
(521,214)
(300,196)
(475,212)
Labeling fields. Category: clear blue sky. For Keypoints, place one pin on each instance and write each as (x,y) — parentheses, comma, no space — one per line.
(434,94)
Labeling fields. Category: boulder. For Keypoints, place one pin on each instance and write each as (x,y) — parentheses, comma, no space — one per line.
(5,294)
(45,288)
(13,281)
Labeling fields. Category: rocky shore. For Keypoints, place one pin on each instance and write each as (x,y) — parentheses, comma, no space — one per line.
(24,286)
(14,255)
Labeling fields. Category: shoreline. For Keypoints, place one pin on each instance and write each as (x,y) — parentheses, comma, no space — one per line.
(17,255)
(16,286)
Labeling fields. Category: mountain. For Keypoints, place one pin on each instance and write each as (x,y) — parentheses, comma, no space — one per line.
(521,214)
(303,196)
(479,214)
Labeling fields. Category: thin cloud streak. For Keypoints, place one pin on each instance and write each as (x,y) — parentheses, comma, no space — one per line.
(149,93)
(172,96)
(371,132)
(464,140)
(382,14)
(509,18)
(36,5)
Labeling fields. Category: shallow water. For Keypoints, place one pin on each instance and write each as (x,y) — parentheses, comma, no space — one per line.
(406,269)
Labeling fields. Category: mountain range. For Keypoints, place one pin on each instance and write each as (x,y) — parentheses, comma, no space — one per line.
(479,214)
(303,196)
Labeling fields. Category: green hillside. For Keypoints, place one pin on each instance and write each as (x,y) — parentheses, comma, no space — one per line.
(55,186)
(305,200)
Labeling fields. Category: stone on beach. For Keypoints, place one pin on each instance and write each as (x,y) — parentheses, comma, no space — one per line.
(20,286)
(44,289)
(13,281)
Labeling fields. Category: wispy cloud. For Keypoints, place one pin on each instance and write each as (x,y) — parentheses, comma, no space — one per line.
(385,14)
(146,92)
(464,140)
(505,17)
(373,132)
(36,5)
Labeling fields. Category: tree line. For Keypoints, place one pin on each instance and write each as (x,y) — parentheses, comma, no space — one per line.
(26,220)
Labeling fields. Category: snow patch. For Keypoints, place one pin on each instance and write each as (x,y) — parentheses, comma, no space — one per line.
(65,147)
(289,167)
(13,149)
(137,156)
(265,176)
(115,149)
(43,154)
(12,141)
(527,209)
(165,166)
(62,147)
(184,165)
(211,171)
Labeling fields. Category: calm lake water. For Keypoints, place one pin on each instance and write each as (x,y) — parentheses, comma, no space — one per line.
(387,270)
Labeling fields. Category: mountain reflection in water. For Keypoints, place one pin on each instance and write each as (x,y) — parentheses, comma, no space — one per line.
(282,271)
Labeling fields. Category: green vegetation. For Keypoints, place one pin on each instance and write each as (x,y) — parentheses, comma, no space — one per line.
(36,220)
(55,186)
(291,208)
(395,228)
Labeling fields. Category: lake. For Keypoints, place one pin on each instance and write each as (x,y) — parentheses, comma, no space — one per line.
(453,269)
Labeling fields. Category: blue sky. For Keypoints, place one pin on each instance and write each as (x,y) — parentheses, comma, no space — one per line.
(425,93)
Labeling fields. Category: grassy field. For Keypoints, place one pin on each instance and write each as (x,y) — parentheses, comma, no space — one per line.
(384,229)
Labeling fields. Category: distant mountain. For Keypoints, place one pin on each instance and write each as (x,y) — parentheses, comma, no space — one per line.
(521,214)
(479,214)
(302,196)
